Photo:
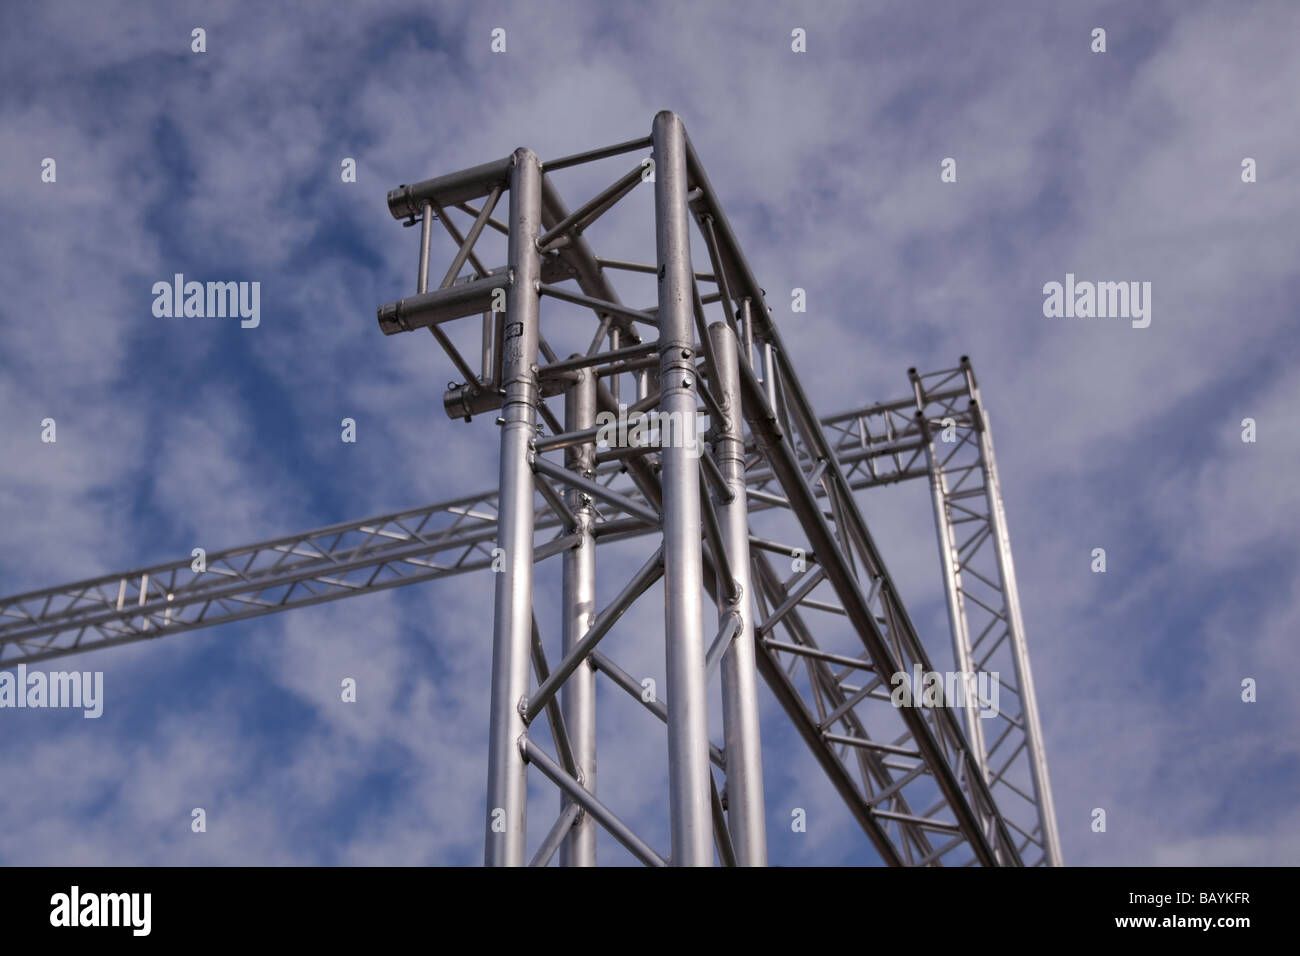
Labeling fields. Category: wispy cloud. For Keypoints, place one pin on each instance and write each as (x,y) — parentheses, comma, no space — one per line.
(176,433)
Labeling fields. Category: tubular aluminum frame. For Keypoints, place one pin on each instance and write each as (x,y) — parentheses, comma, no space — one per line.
(507,790)
(578,695)
(950,561)
(778,489)
(1047,832)
(688,739)
(739,686)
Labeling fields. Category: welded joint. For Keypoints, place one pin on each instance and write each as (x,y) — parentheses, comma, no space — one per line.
(559,242)
(522,743)
(732,621)
(735,595)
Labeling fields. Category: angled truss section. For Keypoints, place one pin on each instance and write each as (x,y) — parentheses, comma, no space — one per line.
(764,559)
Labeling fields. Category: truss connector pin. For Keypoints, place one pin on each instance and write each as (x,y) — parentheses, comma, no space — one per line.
(413,218)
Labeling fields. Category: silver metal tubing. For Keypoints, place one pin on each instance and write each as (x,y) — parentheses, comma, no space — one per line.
(727,631)
(745,804)
(636,367)
(748,329)
(592,155)
(557,503)
(656,706)
(776,547)
(841,659)
(595,489)
(927,786)
(507,794)
(1016,626)
(579,257)
(981,822)
(728,589)
(949,563)
(762,418)
(880,408)
(724,291)
(641,581)
(426,234)
(688,741)
(726,852)
(554,716)
(593,209)
(600,306)
(473,183)
(713,474)
(578,694)
(616,827)
(566,439)
(556,835)
(500,227)
(467,246)
(442,305)
(600,358)
(485,374)
(644,267)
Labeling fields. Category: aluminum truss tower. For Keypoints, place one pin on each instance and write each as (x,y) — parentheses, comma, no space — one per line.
(749,527)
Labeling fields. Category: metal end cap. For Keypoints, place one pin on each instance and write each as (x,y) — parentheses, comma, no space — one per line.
(399,202)
(390,319)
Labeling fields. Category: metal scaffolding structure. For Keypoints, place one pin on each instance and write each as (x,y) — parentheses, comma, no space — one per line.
(741,499)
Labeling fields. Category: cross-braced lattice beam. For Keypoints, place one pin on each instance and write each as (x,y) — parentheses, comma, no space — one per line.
(755,518)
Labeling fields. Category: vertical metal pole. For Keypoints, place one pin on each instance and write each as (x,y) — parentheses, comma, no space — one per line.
(1011,593)
(578,694)
(512,632)
(614,380)
(769,376)
(747,325)
(958,622)
(688,743)
(426,233)
(745,805)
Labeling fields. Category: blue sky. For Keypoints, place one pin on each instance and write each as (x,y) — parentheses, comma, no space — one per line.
(174,434)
